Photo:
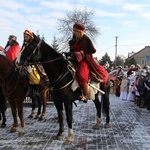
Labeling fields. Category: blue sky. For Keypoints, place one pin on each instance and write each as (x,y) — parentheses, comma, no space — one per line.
(129,20)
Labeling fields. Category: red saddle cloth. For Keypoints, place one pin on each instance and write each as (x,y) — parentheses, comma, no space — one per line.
(98,69)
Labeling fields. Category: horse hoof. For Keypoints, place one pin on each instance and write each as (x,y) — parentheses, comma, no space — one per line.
(13,130)
(106,125)
(30,116)
(21,133)
(36,117)
(96,126)
(3,125)
(59,137)
(67,142)
(41,118)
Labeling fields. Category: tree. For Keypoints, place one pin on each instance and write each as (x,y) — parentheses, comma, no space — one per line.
(105,59)
(129,62)
(65,25)
(55,44)
(119,61)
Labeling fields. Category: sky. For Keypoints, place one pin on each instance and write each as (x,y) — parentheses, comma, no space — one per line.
(128,20)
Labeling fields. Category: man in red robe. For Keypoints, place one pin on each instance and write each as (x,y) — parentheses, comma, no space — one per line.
(12,48)
(81,46)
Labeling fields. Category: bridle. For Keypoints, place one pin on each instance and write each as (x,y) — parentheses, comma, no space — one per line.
(60,78)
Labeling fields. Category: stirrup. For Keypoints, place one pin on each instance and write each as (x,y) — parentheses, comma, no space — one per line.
(83,99)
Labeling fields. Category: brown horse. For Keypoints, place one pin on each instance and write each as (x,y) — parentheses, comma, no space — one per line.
(15,91)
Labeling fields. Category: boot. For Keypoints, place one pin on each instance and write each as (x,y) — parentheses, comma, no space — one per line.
(85,92)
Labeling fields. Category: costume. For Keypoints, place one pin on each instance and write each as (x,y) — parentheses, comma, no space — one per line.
(83,51)
(12,48)
(119,76)
(131,90)
(124,88)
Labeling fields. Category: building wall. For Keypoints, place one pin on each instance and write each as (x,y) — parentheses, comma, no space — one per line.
(140,57)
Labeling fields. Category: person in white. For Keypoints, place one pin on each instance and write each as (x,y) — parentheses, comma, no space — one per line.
(124,88)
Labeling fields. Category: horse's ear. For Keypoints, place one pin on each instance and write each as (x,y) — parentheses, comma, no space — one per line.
(34,35)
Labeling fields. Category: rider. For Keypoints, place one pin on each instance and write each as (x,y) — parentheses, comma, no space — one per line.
(28,36)
(12,48)
(82,48)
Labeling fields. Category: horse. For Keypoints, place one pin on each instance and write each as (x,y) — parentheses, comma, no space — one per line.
(38,102)
(61,78)
(15,91)
(3,107)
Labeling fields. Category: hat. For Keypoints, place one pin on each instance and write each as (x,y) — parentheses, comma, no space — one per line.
(120,67)
(79,26)
(29,32)
(12,37)
(143,74)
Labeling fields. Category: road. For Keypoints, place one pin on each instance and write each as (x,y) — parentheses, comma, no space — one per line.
(129,129)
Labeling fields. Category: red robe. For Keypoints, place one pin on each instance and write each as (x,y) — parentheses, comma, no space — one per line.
(13,52)
(83,51)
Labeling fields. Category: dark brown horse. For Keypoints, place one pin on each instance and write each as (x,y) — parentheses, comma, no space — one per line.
(3,107)
(60,77)
(15,91)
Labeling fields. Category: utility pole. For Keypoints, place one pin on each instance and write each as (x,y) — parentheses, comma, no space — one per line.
(116,50)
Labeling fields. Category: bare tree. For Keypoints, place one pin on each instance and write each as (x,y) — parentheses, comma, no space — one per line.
(65,25)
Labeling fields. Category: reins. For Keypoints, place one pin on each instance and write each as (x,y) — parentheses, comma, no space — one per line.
(60,78)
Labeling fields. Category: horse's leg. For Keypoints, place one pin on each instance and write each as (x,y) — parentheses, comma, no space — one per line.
(59,107)
(39,108)
(44,100)
(68,109)
(21,116)
(106,105)
(33,108)
(3,125)
(98,109)
(14,114)
(3,108)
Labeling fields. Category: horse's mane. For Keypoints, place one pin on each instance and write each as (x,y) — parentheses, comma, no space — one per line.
(38,38)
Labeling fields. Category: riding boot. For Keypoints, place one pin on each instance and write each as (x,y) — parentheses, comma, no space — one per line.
(85,92)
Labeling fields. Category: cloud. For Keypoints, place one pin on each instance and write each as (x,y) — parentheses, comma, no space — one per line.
(134,7)
(102,13)
(129,23)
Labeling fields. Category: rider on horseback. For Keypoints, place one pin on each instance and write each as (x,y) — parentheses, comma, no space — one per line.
(82,48)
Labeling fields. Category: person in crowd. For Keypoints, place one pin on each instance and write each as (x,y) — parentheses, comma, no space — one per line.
(142,89)
(130,70)
(137,94)
(131,92)
(81,47)
(124,88)
(147,86)
(119,76)
(12,48)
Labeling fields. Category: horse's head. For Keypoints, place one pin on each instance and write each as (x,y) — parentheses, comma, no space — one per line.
(30,53)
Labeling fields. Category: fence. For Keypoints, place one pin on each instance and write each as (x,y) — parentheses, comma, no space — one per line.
(49,98)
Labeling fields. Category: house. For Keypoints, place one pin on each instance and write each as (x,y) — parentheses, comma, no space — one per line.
(142,57)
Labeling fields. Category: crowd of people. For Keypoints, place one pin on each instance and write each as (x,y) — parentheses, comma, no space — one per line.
(134,85)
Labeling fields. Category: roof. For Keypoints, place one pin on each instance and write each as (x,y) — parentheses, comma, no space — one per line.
(138,52)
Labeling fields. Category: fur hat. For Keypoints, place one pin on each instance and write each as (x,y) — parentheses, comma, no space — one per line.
(79,26)
(12,37)
(29,32)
